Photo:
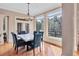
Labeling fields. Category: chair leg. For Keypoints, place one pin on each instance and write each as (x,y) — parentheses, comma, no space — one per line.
(42,45)
(13,45)
(27,48)
(40,48)
(17,50)
(33,52)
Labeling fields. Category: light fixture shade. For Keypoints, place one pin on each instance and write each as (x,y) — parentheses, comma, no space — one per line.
(29,18)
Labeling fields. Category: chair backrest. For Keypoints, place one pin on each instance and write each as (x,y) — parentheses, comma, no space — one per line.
(22,32)
(37,39)
(14,38)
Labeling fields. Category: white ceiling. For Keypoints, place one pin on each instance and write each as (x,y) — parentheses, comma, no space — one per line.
(35,8)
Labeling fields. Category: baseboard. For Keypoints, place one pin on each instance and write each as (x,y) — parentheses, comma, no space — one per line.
(53,44)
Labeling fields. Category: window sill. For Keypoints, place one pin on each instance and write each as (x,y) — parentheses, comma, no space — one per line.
(55,38)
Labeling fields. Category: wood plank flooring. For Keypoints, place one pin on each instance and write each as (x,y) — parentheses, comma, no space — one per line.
(47,50)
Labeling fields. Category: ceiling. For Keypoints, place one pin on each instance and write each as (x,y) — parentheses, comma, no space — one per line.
(35,8)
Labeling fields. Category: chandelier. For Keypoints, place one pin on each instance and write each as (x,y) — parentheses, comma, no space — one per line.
(29,18)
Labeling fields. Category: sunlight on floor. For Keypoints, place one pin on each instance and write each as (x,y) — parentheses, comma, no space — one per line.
(47,50)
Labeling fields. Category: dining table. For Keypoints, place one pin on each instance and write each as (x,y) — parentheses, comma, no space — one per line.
(26,37)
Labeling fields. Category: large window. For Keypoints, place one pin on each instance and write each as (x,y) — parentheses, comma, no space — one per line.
(39,23)
(54,23)
(22,25)
(19,27)
(27,27)
(5,23)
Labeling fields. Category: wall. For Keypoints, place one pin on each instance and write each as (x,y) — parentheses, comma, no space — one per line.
(1,29)
(78,25)
(54,40)
(68,29)
(75,27)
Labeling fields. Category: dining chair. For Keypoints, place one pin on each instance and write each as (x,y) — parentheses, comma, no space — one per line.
(41,32)
(17,43)
(22,32)
(36,42)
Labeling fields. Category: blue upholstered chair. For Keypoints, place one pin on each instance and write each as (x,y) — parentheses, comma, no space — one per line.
(36,42)
(17,43)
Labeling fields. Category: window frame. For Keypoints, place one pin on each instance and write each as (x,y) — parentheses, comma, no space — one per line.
(41,18)
(51,15)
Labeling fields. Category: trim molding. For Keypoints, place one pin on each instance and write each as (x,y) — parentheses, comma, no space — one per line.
(52,44)
(48,11)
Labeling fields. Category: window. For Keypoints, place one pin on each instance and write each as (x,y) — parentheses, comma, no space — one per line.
(39,23)
(19,27)
(54,23)
(27,27)
(4,24)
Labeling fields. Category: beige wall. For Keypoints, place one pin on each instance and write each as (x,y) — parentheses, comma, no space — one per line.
(1,29)
(68,29)
(12,22)
(78,24)
(75,27)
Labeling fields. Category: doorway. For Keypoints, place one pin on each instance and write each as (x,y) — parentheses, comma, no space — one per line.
(5,29)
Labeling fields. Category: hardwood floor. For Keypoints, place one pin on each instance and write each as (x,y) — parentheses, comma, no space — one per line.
(47,50)
(76,53)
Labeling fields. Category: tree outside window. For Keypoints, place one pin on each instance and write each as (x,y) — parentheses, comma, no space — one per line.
(54,25)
